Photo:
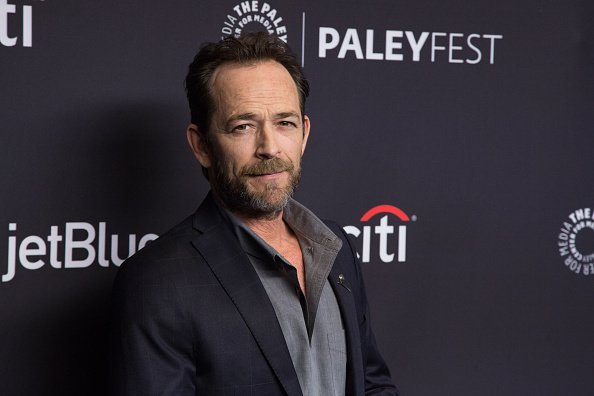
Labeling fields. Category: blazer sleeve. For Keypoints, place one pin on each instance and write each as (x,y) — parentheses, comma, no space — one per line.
(150,342)
(377,375)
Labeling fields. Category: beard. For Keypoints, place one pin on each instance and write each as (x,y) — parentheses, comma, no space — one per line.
(241,198)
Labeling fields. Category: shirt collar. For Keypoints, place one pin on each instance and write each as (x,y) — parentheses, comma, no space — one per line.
(306,225)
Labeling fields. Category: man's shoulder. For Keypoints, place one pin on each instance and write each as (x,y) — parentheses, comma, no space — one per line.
(167,245)
(159,258)
(176,243)
(334,227)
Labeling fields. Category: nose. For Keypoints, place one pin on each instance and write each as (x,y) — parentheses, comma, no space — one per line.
(267,143)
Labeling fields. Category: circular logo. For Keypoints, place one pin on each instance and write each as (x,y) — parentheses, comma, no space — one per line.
(576,241)
(253,16)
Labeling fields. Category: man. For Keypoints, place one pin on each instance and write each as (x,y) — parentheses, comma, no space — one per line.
(253,294)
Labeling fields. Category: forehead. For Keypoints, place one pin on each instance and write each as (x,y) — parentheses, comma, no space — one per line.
(266,81)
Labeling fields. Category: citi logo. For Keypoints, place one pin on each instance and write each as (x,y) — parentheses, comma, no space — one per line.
(8,15)
(388,240)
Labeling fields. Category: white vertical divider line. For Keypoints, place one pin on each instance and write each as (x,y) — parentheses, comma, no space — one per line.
(303,39)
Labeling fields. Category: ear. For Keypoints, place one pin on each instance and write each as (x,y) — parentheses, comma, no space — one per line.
(199,146)
(306,127)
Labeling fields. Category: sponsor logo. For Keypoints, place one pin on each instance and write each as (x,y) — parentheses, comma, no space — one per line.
(576,241)
(387,238)
(9,18)
(382,234)
(400,45)
(254,16)
(76,245)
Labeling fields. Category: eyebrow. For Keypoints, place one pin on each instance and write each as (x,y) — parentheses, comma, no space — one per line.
(243,116)
(286,114)
(251,116)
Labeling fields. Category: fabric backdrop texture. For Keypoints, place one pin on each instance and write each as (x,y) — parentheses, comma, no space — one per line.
(453,140)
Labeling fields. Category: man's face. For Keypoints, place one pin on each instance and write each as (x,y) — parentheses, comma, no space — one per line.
(256,139)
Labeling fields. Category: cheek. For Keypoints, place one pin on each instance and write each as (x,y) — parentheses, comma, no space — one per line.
(226,165)
(297,148)
(231,161)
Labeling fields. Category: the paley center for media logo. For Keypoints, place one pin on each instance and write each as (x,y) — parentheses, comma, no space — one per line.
(576,241)
(254,15)
(368,43)
(382,234)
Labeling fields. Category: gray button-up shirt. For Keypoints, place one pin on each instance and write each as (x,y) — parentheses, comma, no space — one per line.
(311,324)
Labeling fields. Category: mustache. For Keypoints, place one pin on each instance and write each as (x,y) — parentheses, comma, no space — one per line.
(266,167)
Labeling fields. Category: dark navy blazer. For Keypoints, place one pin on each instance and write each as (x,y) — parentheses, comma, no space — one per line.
(190,317)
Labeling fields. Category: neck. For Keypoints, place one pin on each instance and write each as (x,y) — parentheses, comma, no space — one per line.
(271,228)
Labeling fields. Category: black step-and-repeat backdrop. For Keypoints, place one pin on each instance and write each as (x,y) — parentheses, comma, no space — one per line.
(454,140)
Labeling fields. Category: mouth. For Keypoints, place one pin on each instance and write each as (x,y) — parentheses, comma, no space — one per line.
(268,170)
(267,176)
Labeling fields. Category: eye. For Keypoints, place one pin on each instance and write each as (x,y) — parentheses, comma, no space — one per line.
(287,124)
(242,128)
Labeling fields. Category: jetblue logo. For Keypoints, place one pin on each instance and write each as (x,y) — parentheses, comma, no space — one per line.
(9,15)
(76,245)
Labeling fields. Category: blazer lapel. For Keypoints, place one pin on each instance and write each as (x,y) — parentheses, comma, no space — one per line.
(343,289)
(222,252)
